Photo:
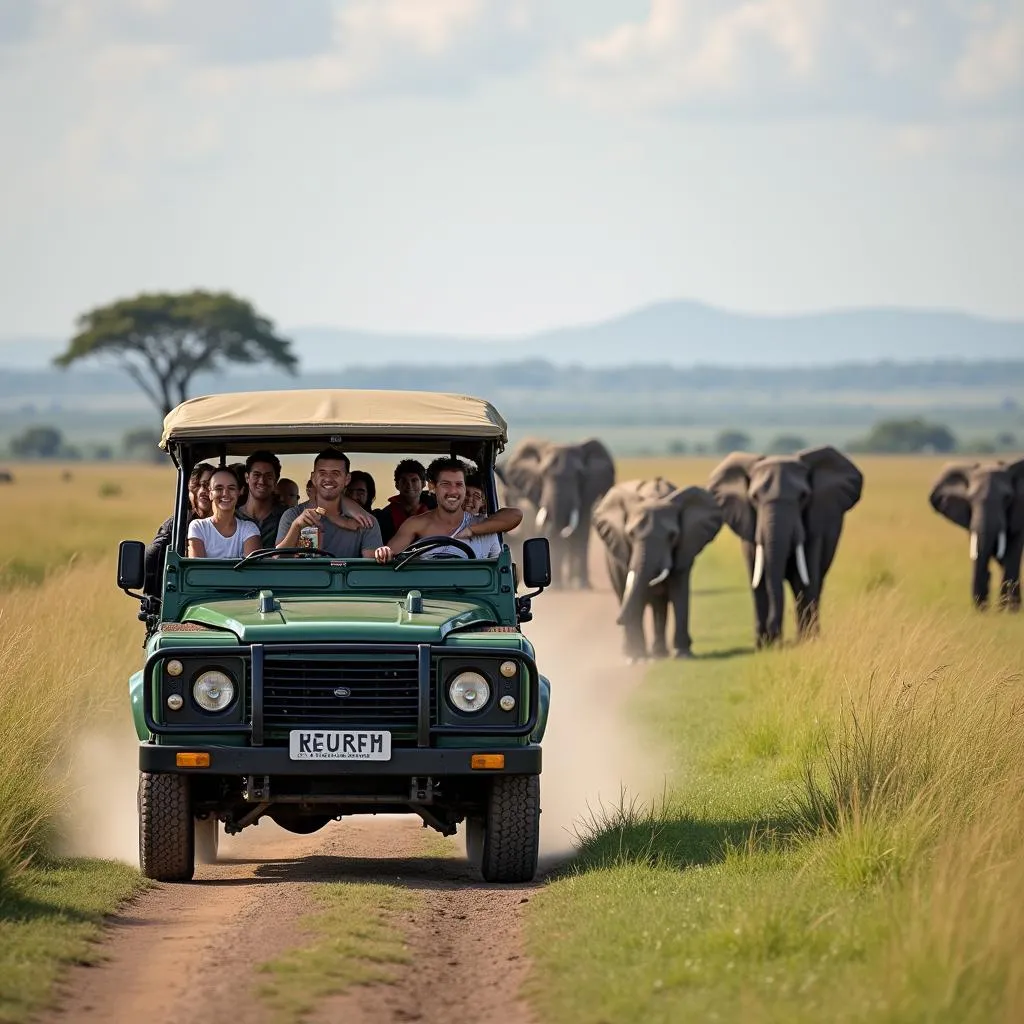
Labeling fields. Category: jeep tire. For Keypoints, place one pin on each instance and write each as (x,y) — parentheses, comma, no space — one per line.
(503,844)
(166,830)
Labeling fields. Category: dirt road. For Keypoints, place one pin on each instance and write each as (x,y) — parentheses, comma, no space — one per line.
(190,952)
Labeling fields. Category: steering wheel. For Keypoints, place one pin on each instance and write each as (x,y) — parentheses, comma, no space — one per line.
(258,556)
(420,547)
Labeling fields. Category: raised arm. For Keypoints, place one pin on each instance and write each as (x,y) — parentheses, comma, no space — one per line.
(502,521)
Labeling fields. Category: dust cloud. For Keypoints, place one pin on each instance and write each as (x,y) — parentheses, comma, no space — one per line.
(101,818)
(591,752)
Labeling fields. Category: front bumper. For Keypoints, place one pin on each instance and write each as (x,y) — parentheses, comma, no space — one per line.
(275,761)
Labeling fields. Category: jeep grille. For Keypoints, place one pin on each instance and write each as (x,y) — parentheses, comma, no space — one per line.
(383,693)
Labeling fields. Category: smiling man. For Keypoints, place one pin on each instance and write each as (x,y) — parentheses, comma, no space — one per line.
(449,519)
(345,529)
(262,471)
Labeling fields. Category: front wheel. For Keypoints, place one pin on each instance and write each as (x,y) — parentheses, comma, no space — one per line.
(503,844)
(166,837)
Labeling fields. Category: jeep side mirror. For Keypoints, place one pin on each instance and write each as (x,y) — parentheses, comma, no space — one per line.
(131,564)
(537,562)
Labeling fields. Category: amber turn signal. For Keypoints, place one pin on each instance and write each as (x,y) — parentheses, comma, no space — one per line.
(487,761)
(191,760)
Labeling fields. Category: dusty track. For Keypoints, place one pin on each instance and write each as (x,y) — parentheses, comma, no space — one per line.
(189,952)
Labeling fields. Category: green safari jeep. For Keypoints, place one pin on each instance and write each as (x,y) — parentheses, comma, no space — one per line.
(306,687)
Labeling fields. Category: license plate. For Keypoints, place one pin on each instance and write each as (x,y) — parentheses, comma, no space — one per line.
(339,745)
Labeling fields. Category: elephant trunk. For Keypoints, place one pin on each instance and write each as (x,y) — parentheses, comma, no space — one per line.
(644,572)
(779,532)
(986,543)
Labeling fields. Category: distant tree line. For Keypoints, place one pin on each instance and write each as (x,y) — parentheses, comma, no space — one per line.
(892,436)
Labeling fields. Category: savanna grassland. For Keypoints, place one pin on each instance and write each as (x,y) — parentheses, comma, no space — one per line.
(840,834)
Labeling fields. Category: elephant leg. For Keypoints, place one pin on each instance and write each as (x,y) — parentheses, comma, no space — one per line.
(679,594)
(760,598)
(659,606)
(581,551)
(805,598)
(1009,596)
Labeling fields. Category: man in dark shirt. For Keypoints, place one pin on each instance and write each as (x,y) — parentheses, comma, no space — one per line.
(410,479)
(262,472)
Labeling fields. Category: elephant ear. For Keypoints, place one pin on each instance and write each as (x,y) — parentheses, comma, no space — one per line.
(949,495)
(609,519)
(599,467)
(836,485)
(522,469)
(700,520)
(729,483)
(1015,471)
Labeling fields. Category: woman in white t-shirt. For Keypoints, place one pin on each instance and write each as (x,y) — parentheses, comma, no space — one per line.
(223,534)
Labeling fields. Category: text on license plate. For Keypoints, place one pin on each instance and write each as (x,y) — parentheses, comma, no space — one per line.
(339,745)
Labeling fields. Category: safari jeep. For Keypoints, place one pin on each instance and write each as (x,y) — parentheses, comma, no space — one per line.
(302,687)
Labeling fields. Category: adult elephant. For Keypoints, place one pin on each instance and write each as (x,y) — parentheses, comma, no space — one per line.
(987,499)
(788,512)
(652,532)
(561,482)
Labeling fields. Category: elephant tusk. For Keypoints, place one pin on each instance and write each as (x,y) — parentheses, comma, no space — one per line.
(630,584)
(755,580)
(1001,546)
(660,578)
(801,565)
(574,521)
(542,516)
(974,545)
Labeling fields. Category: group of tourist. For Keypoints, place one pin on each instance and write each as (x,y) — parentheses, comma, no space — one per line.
(237,510)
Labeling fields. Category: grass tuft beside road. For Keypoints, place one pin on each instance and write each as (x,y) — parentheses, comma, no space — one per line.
(841,835)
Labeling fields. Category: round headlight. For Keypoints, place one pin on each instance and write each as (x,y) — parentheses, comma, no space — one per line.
(469,691)
(213,690)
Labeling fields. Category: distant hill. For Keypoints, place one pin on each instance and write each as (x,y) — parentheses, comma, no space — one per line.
(679,334)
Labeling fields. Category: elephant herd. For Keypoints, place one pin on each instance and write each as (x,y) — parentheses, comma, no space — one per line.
(787,511)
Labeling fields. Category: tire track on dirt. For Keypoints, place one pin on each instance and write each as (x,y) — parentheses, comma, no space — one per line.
(190,951)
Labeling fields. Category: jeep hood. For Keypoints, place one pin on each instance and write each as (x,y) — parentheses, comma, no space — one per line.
(356,618)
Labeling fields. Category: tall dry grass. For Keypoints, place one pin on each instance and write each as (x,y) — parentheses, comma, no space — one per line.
(911,723)
(67,647)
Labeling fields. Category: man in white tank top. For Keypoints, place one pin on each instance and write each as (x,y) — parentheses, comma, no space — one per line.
(449,519)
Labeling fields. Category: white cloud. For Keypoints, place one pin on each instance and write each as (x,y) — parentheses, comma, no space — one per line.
(900,59)
(992,65)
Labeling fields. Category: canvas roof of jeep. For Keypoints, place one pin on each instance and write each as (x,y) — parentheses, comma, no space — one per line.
(300,413)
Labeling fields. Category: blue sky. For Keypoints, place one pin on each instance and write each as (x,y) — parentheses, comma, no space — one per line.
(501,166)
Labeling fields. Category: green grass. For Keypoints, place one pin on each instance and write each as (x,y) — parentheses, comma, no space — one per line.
(355,942)
(51,916)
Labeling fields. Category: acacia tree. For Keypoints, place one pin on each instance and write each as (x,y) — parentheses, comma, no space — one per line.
(162,340)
